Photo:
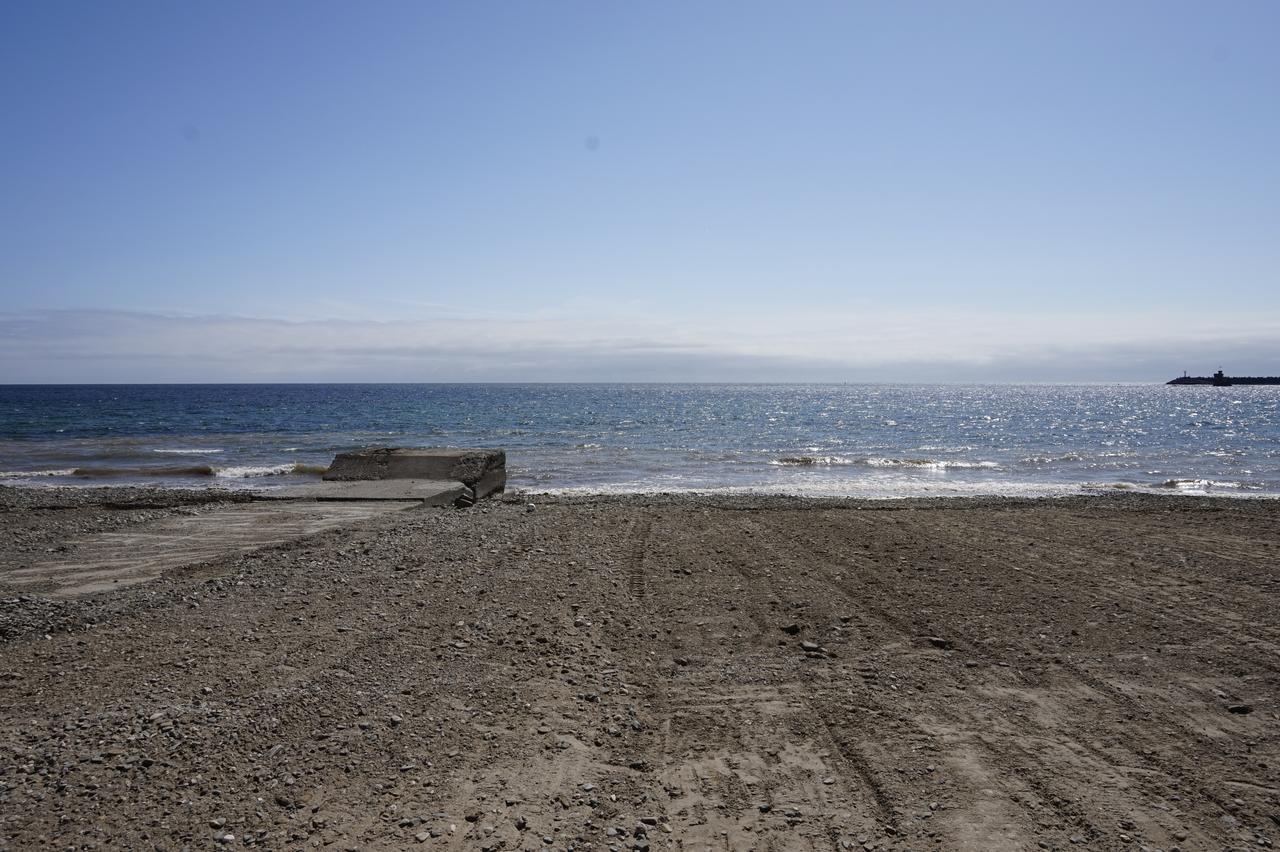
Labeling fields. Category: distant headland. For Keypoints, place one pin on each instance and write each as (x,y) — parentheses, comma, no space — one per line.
(1222,381)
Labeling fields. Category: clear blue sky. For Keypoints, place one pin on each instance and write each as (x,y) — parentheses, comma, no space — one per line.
(563,190)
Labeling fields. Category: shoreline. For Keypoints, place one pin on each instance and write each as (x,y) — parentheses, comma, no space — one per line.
(27,494)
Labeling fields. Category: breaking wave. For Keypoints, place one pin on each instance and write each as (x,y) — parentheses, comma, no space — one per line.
(1065,457)
(186,470)
(813,461)
(252,471)
(1204,484)
(196,470)
(918,464)
(187,452)
(932,464)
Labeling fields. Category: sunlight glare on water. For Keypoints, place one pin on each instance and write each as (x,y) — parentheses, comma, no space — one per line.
(859,440)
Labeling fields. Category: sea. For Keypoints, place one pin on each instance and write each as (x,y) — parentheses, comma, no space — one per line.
(858,440)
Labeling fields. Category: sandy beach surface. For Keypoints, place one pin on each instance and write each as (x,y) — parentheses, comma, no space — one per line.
(652,673)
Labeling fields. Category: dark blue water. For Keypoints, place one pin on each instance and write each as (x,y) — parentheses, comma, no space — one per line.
(864,440)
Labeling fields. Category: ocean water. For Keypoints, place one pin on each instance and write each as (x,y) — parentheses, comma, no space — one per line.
(856,440)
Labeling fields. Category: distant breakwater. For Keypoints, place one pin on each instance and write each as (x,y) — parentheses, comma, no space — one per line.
(1225,381)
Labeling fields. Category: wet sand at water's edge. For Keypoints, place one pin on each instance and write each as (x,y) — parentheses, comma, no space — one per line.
(647,673)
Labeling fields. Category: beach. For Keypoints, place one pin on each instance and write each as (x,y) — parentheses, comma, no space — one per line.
(664,672)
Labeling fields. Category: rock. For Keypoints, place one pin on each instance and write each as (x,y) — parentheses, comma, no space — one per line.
(791,629)
(1240,709)
(810,647)
(939,642)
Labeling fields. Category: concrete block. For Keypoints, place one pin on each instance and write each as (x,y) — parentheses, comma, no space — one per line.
(486,468)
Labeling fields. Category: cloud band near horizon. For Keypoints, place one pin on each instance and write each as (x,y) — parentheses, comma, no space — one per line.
(807,345)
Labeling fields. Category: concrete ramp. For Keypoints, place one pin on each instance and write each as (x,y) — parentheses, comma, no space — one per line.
(427,492)
(113,560)
(358,486)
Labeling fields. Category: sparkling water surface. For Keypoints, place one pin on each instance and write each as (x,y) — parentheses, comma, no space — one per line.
(858,440)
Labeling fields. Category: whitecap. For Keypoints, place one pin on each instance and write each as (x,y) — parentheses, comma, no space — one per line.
(248,471)
(186,452)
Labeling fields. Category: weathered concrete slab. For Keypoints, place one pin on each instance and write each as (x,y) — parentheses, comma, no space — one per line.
(112,560)
(428,492)
(484,471)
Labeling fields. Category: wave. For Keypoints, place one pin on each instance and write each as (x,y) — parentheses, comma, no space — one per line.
(200,470)
(1065,457)
(186,452)
(933,464)
(919,464)
(252,471)
(814,461)
(1204,484)
(187,470)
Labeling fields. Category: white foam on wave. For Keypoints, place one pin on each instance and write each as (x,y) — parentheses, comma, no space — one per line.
(250,471)
(186,452)
(814,461)
(1065,457)
(909,463)
(933,464)
(1205,485)
(24,474)
(916,464)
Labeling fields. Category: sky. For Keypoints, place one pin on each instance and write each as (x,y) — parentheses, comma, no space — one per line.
(595,191)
